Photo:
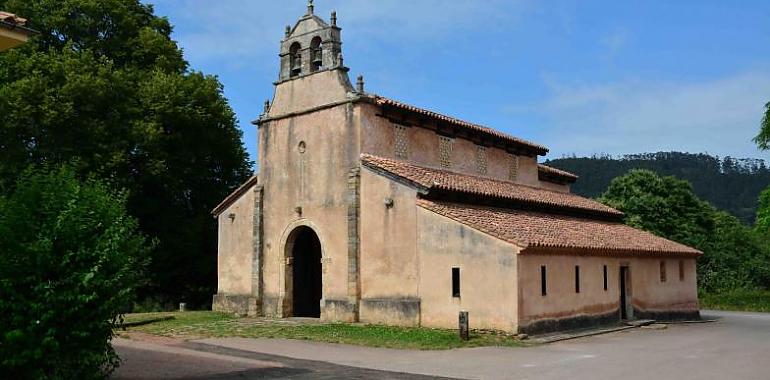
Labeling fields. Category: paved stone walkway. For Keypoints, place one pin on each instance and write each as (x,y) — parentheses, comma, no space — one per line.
(736,346)
(155,358)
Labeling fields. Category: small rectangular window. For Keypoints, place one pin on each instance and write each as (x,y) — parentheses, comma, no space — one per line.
(456,282)
(605,277)
(681,270)
(663,271)
(577,278)
(543,289)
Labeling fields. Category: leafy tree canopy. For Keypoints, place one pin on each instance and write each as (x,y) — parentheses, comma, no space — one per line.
(763,212)
(70,258)
(735,256)
(730,184)
(104,84)
(763,138)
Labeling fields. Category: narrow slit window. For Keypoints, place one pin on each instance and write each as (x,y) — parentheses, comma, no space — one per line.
(543,289)
(456,282)
(662,271)
(681,270)
(605,277)
(577,278)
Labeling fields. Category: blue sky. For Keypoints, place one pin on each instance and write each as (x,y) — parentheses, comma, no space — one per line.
(581,77)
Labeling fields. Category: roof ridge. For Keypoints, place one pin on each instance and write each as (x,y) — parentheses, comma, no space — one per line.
(558,171)
(379,99)
(492,220)
(479,177)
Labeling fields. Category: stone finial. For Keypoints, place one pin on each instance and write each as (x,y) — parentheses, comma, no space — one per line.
(288,30)
(360,84)
(267,107)
(334,18)
(339,60)
(310,7)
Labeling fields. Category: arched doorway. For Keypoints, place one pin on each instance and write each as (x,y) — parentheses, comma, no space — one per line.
(305,272)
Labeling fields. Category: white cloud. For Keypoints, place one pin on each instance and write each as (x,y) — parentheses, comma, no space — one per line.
(237,29)
(716,116)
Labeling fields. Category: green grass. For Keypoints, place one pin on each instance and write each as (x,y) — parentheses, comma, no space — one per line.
(737,300)
(207,324)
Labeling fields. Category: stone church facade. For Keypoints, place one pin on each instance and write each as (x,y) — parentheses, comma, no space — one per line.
(368,209)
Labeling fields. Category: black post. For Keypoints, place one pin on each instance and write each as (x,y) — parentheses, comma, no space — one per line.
(464,325)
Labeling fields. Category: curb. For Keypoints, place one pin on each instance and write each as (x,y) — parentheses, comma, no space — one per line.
(145,322)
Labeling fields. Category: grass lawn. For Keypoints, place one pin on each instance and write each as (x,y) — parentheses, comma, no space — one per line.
(739,300)
(207,324)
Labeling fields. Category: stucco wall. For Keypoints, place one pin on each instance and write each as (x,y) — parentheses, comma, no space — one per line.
(307,92)
(389,270)
(488,286)
(235,246)
(653,296)
(378,139)
(316,182)
(561,301)
(563,188)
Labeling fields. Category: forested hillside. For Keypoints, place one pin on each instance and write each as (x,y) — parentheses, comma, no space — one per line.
(728,183)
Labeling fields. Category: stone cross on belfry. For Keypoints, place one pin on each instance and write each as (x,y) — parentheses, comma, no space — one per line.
(310,7)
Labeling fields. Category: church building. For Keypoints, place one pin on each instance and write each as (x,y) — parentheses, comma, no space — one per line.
(367,209)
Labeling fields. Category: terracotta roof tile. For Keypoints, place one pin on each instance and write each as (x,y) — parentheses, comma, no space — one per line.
(561,174)
(550,233)
(539,149)
(429,178)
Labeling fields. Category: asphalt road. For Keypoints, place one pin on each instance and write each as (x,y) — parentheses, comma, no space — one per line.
(737,346)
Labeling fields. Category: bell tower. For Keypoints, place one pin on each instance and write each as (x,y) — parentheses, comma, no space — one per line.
(312,72)
(311,46)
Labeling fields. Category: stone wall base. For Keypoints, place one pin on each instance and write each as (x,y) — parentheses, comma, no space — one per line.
(545,326)
(668,315)
(391,311)
(338,311)
(240,304)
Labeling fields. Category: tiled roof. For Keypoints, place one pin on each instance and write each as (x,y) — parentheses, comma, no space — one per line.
(548,171)
(437,179)
(230,199)
(539,149)
(549,233)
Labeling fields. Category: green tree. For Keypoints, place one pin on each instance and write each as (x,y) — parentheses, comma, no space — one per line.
(70,258)
(106,86)
(763,138)
(665,206)
(763,212)
(734,256)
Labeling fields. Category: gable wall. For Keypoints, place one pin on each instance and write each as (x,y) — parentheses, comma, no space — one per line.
(488,284)
(317,182)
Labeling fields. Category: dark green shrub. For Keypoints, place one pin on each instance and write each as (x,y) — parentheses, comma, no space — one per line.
(70,258)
